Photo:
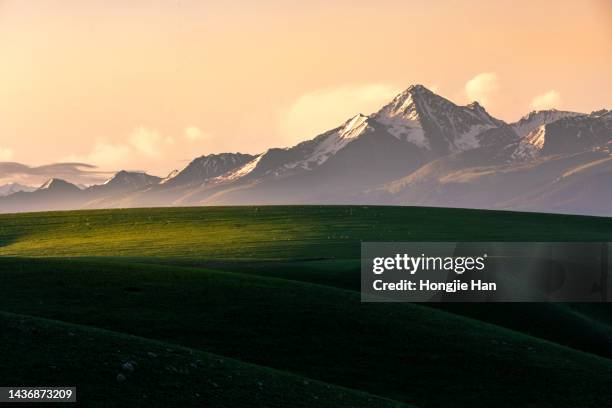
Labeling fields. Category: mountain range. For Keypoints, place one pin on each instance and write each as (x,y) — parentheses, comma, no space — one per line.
(419,149)
(10,188)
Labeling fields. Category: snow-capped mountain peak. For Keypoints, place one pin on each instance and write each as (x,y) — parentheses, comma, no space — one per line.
(406,103)
(482,114)
(333,142)
(430,121)
(534,119)
(208,167)
(411,103)
(55,184)
(132,180)
(402,117)
(558,132)
(416,116)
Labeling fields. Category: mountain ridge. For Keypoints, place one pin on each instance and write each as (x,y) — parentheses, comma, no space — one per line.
(11,188)
(420,148)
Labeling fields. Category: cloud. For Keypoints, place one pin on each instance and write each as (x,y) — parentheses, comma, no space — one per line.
(320,110)
(547,100)
(78,173)
(6,153)
(146,141)
(482,87)
(194,134)
(142,145)
(105,154)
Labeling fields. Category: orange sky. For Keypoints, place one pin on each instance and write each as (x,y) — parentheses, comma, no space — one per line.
(152,84)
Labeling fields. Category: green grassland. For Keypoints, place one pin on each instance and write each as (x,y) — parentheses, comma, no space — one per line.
(273,291)
(273,232)
(154,374)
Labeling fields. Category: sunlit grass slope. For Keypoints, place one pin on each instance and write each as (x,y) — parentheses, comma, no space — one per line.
(273,232)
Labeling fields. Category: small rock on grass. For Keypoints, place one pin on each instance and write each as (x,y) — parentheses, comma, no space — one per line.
(128,366)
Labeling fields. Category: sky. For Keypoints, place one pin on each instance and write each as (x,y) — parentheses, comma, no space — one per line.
(151,84)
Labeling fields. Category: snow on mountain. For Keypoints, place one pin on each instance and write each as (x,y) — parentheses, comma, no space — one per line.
(536,119)
(530,145)
(417,117)
(430,121)
(420,148)
(304,156)
(562,133)
(208,167)
(169,177)
(403,120)
(10,188)
(58,185)
(54,194)
(333,142)
(131,180)
(240,171)
(47,184)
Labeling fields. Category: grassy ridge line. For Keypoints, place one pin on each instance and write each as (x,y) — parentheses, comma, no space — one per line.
(577,326)
(283,232)
(580,326)
(404,353)
(161,374)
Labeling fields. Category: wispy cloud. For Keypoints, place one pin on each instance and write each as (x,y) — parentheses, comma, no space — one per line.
(315,112)
(6,153)
(104,154)
(78,173)
(194,134)
(141,145)
(547,100)
(482,87)
(146,141)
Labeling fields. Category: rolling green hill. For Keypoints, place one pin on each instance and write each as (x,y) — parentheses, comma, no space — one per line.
(404,352)
(153,373)
(278,287)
